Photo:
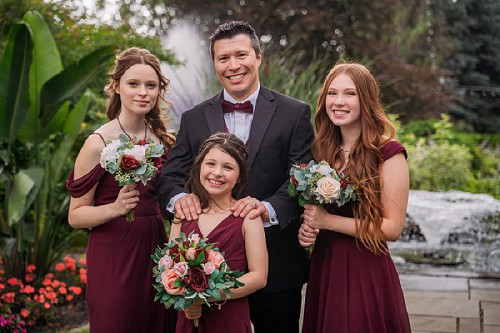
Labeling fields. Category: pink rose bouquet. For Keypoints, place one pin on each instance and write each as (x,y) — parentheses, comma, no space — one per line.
(318,184)
(132,161)
(190,268)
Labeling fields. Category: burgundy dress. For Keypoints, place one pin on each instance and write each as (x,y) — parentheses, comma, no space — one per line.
(120,295)
(234,315)
(350,289)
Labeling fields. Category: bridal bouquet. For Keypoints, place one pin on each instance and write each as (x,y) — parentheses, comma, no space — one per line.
(317,184)
(190,268)
(132,161)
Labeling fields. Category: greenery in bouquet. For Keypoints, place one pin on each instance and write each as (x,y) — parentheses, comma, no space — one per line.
(190,268)
(132,161)
(318,184)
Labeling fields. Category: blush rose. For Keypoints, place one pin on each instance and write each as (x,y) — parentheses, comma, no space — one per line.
(328,189)
(168,278)
(215,258)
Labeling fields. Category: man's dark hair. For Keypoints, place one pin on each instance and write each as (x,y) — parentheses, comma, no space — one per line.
(231,29)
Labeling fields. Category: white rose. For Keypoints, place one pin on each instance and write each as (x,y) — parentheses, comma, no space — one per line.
(110,153)
(328,189)
(138,152)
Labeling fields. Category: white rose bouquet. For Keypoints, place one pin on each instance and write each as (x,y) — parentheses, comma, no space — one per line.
(132,161)
(318,184)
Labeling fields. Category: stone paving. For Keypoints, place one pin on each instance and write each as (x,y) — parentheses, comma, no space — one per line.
(452,302)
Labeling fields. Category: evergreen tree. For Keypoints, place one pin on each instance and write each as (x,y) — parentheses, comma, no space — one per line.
(473,30)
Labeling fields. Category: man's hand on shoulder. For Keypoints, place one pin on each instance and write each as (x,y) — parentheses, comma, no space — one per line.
(187,207)
(251,207)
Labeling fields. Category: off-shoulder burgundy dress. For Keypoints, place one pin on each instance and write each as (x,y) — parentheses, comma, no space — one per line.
(234,315)
(120,295)
(350,289)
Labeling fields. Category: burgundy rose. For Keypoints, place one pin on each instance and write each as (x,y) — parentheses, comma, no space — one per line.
(200,250)
(174,250)
(198,279)
(142,142)
(174,253)
(157,162)
(294,181)
(129,162)
(343,184)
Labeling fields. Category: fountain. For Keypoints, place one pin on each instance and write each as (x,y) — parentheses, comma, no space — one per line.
(192,81)
(451,228)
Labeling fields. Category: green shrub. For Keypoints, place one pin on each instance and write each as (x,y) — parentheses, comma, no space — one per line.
(439,167)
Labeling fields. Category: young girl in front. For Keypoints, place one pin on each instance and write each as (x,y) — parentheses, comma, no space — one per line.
(219,177)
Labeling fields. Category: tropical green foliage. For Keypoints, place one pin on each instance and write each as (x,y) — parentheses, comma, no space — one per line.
(39,127)
(76,32)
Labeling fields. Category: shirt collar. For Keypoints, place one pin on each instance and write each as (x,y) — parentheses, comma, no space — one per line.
(252,98)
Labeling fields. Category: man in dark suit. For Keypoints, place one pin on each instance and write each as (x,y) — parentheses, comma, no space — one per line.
(278,133)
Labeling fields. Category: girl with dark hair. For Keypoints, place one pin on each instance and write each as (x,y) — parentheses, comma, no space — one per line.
(219,177)
(353,285)
(120,296)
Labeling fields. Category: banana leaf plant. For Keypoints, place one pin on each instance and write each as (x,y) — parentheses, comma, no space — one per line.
(42,106)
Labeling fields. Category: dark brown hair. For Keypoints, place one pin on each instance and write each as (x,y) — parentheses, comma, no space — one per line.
(234,147)
(366,157)
(155,119)
(231,29)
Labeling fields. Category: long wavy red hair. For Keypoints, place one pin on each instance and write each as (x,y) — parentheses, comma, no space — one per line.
(155,119)
(365,158)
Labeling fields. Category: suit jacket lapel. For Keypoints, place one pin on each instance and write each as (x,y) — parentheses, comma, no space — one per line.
(263,113)
(214,115)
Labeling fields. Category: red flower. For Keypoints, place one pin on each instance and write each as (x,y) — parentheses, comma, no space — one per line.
(198,279)
(303,165)
(75,290)
(9,297)
(60,267)
(157,162)
(142,142)
(30,268)
(294,181)
(13,281)
(129,162)
(29,277)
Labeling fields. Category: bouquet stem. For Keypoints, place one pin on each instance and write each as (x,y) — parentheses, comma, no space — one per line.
(130,215)
(310,248)
(196,322)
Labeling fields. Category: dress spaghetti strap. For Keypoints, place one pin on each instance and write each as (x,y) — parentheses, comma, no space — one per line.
(100,137)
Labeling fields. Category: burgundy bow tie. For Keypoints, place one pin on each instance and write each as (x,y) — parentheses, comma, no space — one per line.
(228,107)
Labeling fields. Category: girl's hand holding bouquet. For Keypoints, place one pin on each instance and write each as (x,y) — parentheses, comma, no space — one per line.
(191,271)
(132,161)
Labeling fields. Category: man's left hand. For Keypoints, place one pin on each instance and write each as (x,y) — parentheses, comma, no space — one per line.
(251,207)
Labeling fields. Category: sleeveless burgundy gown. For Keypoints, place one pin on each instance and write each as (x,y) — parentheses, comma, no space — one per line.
(350,289)
(234,315)
(120,295)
